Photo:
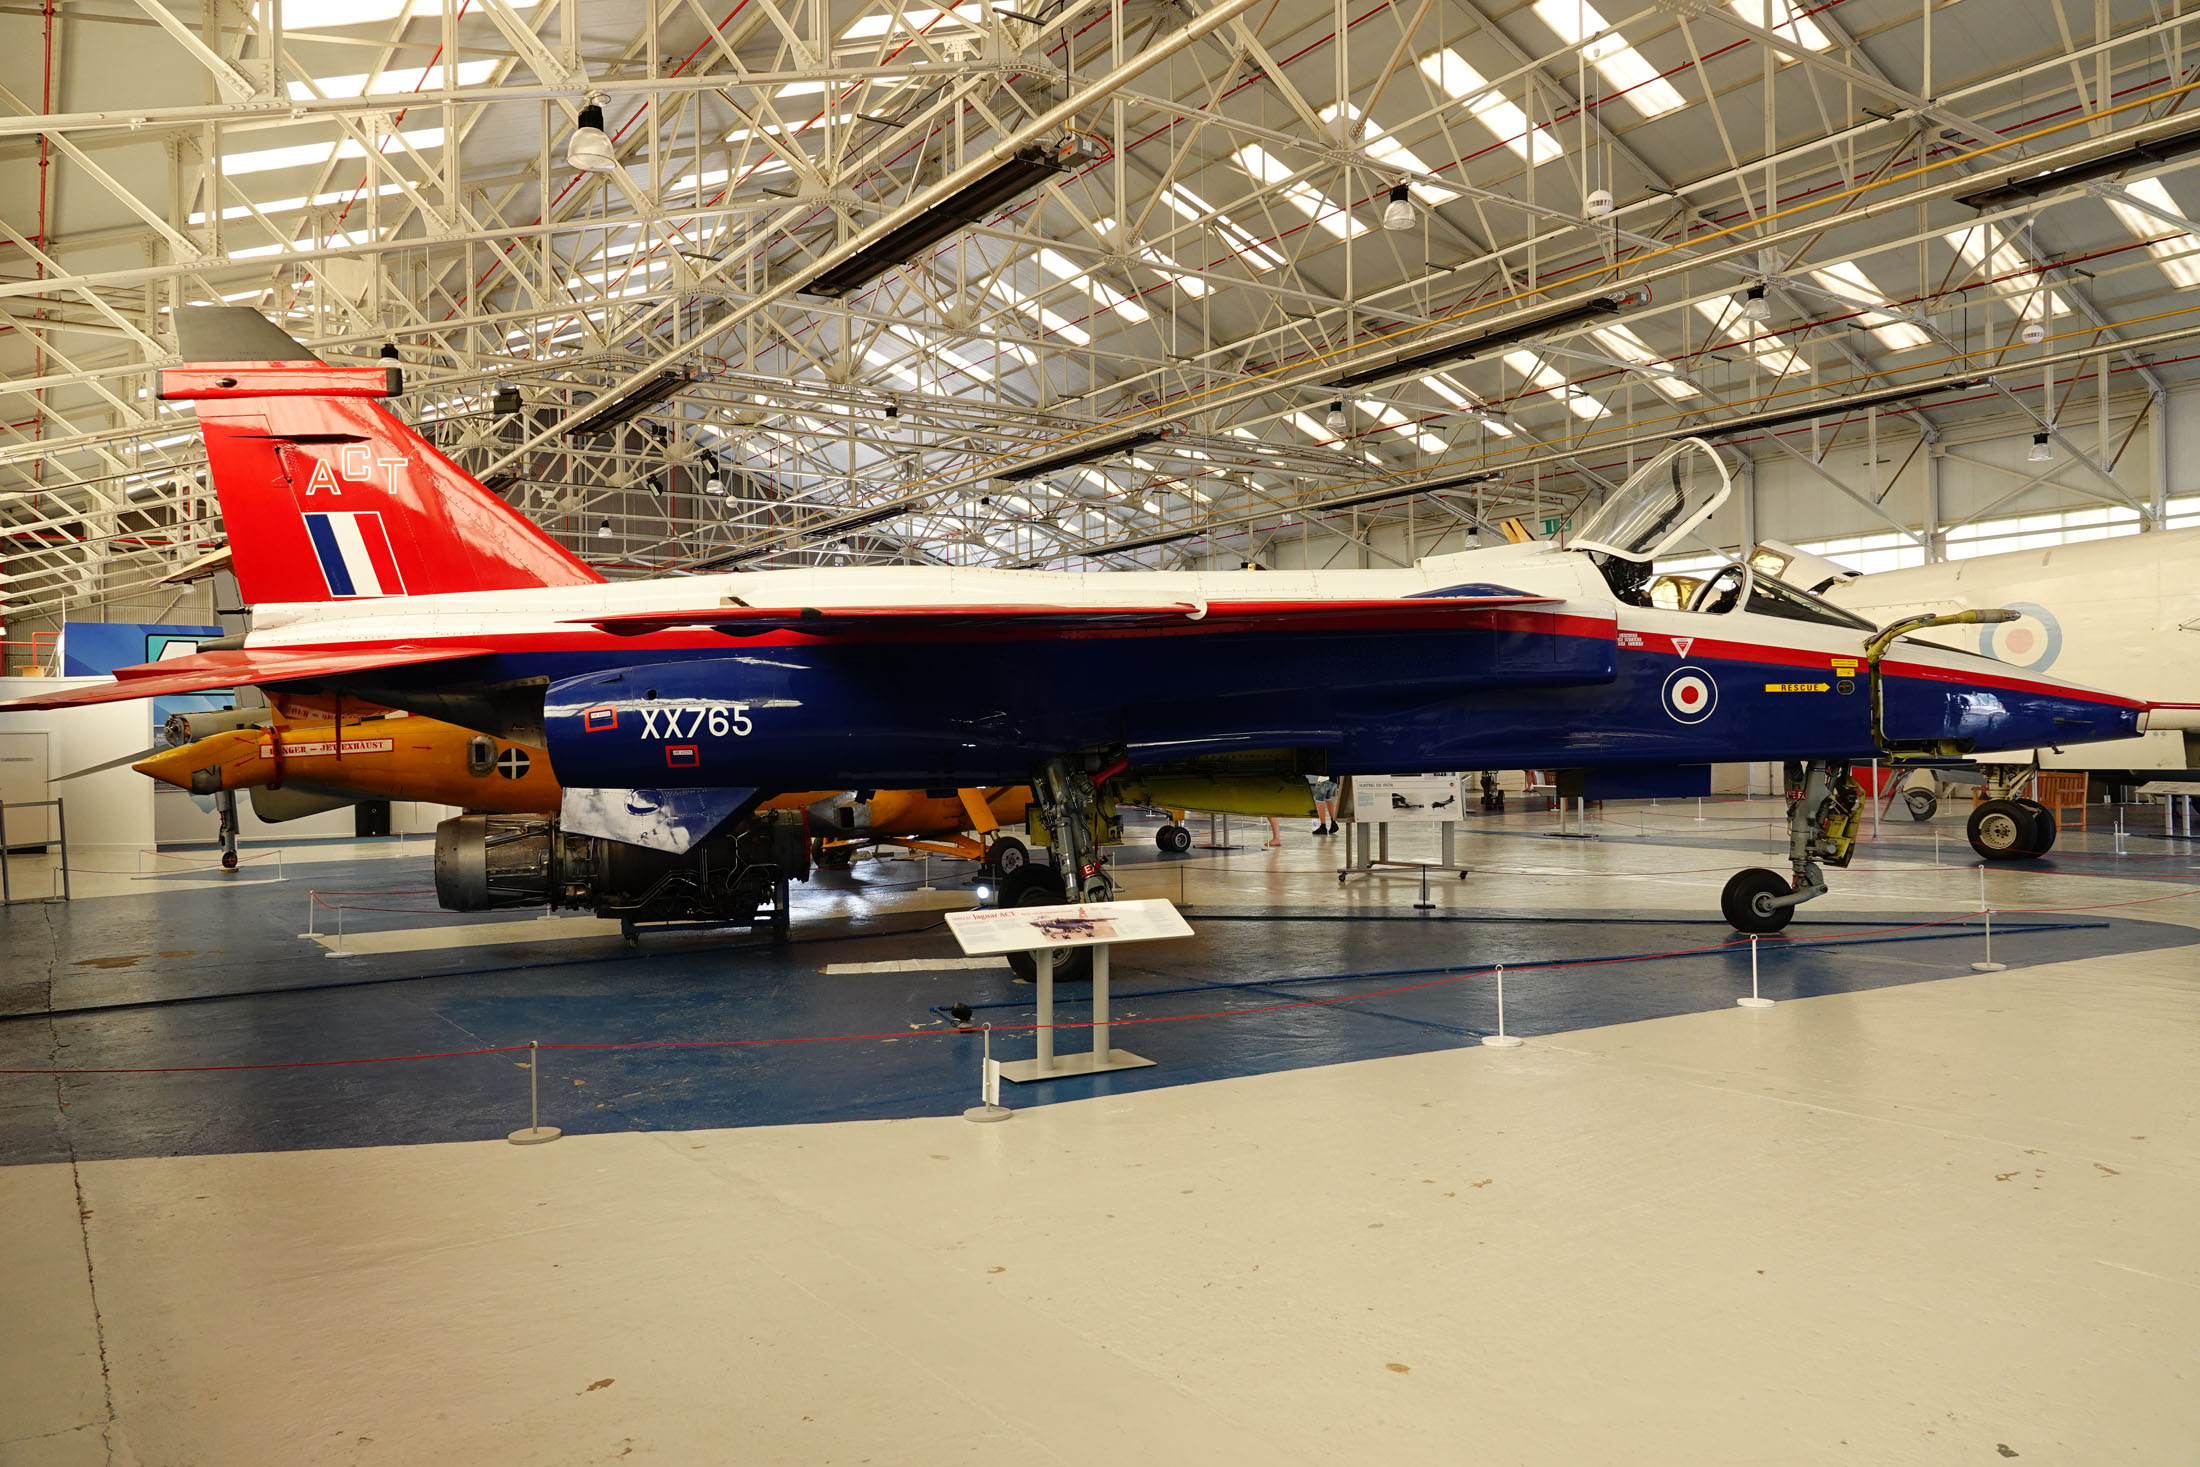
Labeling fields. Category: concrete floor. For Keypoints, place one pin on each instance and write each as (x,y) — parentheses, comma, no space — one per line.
(1942,1221)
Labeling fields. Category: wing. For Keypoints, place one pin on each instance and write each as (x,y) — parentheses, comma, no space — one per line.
(206,671)
(1427,608)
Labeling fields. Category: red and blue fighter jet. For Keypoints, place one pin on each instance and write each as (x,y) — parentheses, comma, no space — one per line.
(378,569)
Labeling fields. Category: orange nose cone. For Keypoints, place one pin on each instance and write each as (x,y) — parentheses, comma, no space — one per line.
(172,766)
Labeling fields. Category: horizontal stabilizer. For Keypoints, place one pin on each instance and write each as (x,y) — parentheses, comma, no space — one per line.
(1425,609)
(674,820)
(206,672)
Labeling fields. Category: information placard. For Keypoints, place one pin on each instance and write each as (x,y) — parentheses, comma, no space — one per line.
(1407,797)
(993,930)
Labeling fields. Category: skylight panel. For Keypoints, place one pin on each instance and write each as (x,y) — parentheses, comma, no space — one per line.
(1895,331)
(912,21)
(2002,266)
(336,240)
(1782,19)
(1451,392)
(2175,254)
(1062,267)
(292,206)
(1770,351)
(321,15)
(1192,208)
(1384,148)
(1403,426)
(299,155)
(1266,168)
(1624,69)
(1552,383)
(1462,83)
(397,79)
(1662,376)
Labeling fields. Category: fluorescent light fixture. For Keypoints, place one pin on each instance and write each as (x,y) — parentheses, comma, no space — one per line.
(1010,179)
(2003,269)
(1462,83)
(1662,376)
(1782,19)
(1268,169)
(1625,70)
(1844,279)
(1552,383)
(2175,254)
(394,79)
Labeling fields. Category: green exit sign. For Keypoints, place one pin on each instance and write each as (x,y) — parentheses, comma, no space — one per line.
(1553,527)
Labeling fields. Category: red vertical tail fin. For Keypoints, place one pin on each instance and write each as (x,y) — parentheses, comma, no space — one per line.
(325,494)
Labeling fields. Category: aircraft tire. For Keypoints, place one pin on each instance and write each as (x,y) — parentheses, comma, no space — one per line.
(1173,839)
(2044,818)
(1006,856)
(1923,804)
(1743,903)
(2004,830)
(830,858)
(1041,886)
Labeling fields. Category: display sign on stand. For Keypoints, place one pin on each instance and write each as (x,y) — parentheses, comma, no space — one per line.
(1372,803)
(1045,932)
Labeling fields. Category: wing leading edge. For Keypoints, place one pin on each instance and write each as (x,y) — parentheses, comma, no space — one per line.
(233,667)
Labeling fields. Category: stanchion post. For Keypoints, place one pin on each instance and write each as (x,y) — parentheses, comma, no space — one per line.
(1755,1000)
(1989,966)
(536,1132)
(1046,1010)
(1501,1040)
(1424,904)
(313,908)
(927,886)
(989,1107)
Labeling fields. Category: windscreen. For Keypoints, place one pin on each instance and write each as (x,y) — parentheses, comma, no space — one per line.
(1656,508)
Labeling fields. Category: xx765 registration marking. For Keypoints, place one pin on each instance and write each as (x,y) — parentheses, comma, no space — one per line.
(685,723)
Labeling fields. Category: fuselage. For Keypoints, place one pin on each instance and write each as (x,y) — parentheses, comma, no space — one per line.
(1577,680)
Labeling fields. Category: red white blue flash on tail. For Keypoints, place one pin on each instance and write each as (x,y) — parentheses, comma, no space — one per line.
(355,554)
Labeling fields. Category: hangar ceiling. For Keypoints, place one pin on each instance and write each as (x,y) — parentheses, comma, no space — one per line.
(1806,206)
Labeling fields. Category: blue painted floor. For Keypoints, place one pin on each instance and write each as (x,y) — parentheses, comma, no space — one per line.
(170,977)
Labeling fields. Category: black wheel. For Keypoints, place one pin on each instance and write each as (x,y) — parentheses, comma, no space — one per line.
(830,858)
(1174,839)
(1041,886)
(2004,830)
(1923,804)
(1007,856)
(1746,902)
(2044,820)
(229,860)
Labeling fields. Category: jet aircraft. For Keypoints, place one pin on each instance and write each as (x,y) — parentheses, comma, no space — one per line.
(671,707)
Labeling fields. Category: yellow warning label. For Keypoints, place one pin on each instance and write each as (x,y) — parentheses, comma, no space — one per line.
(1796,687)
(1844,667)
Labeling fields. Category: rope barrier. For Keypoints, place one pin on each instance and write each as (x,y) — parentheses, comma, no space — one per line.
(1447,977)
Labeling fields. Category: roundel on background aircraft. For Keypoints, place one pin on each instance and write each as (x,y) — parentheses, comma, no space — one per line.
(1690,695)
(2031,642)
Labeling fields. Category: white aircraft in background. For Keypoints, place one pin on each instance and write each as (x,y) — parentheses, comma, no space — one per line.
(2122,612)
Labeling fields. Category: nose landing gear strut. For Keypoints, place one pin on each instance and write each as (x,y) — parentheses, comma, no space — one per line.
(1824,806)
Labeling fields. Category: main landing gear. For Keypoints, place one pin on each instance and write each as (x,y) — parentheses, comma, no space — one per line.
(1824,805)
(2005,826)
(1079,817)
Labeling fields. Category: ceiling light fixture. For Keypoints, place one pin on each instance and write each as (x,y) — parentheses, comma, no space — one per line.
(2040,453)
(589,151)
(1754,305)
(1336,421)
(1399,213)
(603,530)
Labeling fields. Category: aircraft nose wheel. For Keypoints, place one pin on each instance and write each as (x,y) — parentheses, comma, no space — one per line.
(1174,839)
(1923,804)
(1008,856)
(1746,902)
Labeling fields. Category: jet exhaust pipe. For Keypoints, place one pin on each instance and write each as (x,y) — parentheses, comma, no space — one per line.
(491,862)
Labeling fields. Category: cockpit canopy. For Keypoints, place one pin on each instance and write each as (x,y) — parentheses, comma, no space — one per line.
(1654,511)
